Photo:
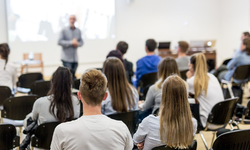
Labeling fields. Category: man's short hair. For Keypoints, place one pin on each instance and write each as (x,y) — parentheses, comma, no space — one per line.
(93,87)
(246,34)
(183,45)
(122,47)
(151,44)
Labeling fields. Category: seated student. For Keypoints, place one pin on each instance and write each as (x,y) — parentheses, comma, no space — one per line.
(240,49)
(174,126)
(123,47)
(166,68)
(60,105)
(182,60)
(117,54)
(203,85)
(147,64)
(122,97)
(243,58)
(8,71)
(92,131)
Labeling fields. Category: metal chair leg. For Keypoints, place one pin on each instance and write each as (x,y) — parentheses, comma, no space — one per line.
(213,138)
(204,141)
(230,90)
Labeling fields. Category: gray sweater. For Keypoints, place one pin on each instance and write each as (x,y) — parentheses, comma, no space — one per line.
(153,98)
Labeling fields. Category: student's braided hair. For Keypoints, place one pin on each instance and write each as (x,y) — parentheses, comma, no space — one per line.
(4,52)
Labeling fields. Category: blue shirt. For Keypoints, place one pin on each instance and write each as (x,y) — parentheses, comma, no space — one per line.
(145,65)
(240,59)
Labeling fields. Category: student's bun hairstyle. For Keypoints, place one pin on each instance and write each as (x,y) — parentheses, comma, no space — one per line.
(4,52)
(93,87)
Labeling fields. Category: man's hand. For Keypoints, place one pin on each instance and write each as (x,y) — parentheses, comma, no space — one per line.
(75,42)
(189,74)
(140,145)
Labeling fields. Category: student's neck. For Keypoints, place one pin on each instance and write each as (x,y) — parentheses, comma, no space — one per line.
(91,110)
(180,55)
(150,53)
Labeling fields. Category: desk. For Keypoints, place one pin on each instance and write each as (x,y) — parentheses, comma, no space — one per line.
(210,56)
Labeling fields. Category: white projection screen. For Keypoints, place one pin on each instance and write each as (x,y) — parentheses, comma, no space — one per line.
(42,20)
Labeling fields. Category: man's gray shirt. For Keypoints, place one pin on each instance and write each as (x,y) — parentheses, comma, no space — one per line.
(69,52)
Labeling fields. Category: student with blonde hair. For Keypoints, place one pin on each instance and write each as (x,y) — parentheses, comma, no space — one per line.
(166,67)
(203,85)
(174,126)
(122,97)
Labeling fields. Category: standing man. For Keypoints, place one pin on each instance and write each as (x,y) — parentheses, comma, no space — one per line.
(70,39)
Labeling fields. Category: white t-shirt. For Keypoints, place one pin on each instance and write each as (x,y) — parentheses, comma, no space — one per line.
(9,75)
(95,132)
(214,95)
(107,108)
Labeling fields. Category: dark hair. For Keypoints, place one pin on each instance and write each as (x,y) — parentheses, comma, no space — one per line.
(122,47)
(246,34)
(60,95)
(119,88)
(151,44)
(183,46)
(4,52)
(246,42)
(117,54)
(93,87)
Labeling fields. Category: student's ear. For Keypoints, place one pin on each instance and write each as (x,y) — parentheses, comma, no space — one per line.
(79,95)
(105,96)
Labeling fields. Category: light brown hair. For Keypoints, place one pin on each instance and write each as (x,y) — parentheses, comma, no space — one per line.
(201,78)
(246,42)
(119,88)
(176,126)
(183,45)
(93,87)
(166,67)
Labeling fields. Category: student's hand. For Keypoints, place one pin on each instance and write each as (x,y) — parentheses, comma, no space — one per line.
(189,74)
(140,145)
(75,42)
(140,102)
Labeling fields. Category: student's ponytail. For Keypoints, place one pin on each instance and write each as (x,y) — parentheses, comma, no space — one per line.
(4,52)
(201,78)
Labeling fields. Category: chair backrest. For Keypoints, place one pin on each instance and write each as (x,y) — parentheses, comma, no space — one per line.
(17,108)
(76,84)
(242,72)
(225,62)
(193,146)
(8,137)
(234,140)
(183,74)
(40,88)
(129,118)
(222,112)
(148,79)
(37,56)
(43,135)
(5,93)
(26,80)
(195,109)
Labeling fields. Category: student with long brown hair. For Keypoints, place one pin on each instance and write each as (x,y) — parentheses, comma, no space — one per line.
(122,97)
(203,85)
(174,126)
(60,105)
(8,71)
(166,67)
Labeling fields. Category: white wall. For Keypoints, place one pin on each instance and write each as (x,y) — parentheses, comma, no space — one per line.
(163,20)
